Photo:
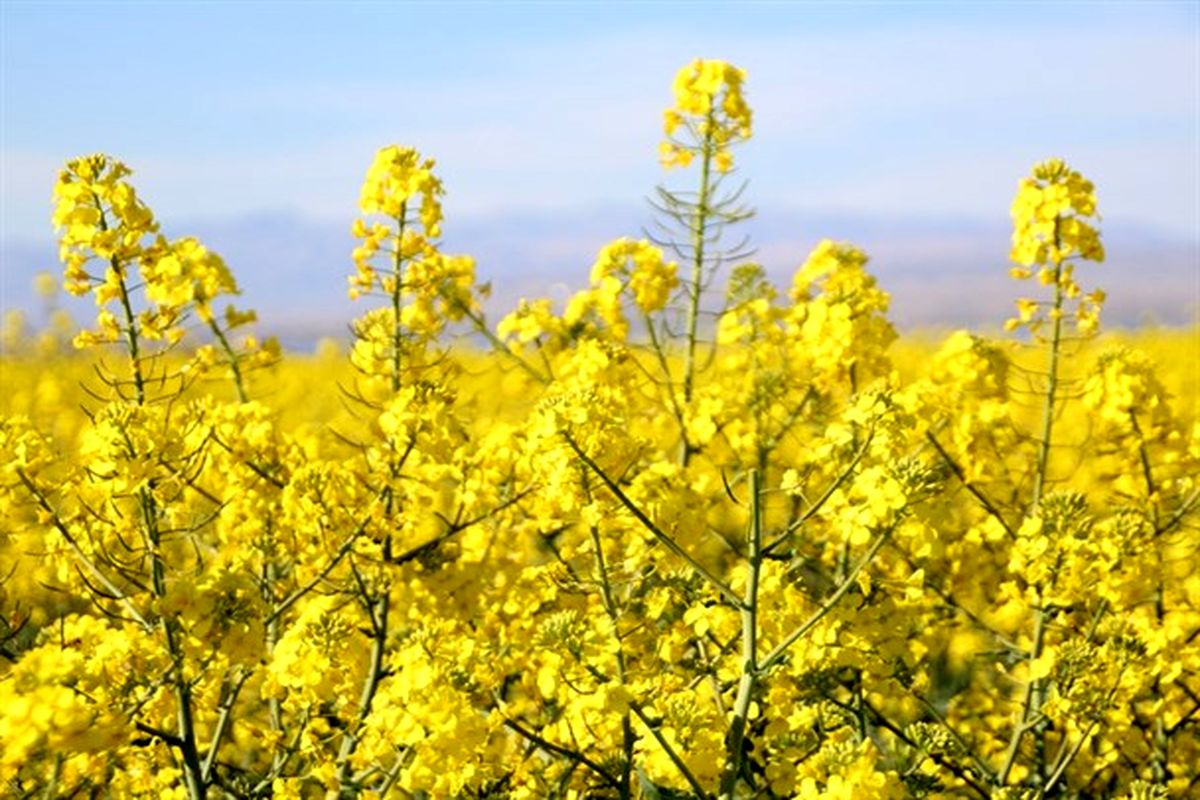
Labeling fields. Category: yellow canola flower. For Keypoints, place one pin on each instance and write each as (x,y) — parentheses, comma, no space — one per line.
(839,312)
(397,176)
(1054,226)
(714,87)
(186,273)
(531,319)
(96,208)
(650,277)
(99,216)
(45,285)
(1053,217)
(316,657)
(710,107)
(101,220)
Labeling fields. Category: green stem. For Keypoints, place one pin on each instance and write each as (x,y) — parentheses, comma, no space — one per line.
(1043,457)
(481,327)
(699,232)
(224,716)
(379,624)
(131,328)
(1028,708)
(1029,714)
(135,361)
(397,296)
(629,740)
(664,364)
(274,706)
(51,790)
(234,366)
(741,707)
(193,770)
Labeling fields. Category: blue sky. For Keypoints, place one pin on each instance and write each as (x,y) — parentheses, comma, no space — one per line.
(906,111)
(229,107)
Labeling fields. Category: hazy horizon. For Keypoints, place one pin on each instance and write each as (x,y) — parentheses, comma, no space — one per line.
(941,274)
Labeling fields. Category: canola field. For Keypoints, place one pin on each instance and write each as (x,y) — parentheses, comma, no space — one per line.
(689,535)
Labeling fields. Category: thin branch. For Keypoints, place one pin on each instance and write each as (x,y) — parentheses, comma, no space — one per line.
(670,751)
(773,657)
(455,528)
(168,738)
(223,719)
(828,493)
(657,532)
(883,722)
(978,494)
(296,595)
(1180,512)
(565,752)
(78,551)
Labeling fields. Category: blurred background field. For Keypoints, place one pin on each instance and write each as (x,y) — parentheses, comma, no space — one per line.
(43,378)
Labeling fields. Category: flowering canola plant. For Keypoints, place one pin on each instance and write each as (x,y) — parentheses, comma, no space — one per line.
(619,554)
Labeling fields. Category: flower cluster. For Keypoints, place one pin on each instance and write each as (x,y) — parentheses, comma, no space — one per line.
(155,284)
(1053,227)
(711,110)
(399,259)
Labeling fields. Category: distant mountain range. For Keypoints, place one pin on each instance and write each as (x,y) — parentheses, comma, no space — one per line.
(940,272)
